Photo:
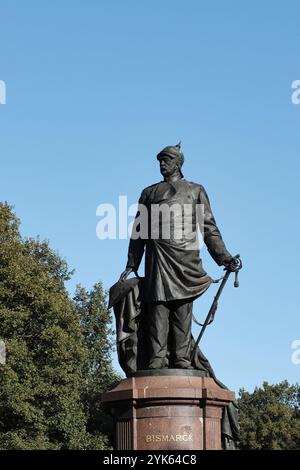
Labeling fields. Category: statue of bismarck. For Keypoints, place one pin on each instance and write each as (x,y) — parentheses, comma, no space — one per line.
(174,276)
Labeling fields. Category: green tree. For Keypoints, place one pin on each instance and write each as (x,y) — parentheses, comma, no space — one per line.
(270,417)
(99,374)
(49,368)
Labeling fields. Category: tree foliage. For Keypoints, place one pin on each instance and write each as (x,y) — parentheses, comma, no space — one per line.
(58,350)
(270,417)
(100,376)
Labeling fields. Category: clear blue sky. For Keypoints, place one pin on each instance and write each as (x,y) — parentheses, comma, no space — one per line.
(95,89)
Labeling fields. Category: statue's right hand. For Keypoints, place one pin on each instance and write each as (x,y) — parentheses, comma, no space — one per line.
(125,274)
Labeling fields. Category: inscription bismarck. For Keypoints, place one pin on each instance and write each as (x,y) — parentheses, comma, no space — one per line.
(169,438)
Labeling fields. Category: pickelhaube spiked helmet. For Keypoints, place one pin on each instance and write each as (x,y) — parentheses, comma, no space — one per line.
(173,152)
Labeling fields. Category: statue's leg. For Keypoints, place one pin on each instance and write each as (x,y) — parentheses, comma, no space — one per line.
(181,324)
(157,332)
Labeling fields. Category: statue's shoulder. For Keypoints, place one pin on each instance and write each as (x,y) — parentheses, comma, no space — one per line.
(150,188)
(195,187)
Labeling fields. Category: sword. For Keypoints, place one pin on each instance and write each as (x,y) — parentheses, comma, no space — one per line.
(210,316)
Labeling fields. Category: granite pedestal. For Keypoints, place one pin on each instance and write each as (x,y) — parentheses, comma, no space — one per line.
(168,409)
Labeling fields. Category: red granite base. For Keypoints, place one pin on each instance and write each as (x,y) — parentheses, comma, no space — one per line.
(174,412)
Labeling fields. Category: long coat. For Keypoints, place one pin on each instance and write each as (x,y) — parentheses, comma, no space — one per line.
(173,267)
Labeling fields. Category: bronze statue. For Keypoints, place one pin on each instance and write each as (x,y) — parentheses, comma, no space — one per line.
(174,276)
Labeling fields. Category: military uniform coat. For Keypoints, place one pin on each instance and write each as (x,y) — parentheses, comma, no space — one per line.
(173,267)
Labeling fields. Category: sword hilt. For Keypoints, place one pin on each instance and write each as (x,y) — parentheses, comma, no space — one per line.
(239,266)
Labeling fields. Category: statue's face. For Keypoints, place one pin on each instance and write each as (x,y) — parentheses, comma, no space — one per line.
(168,165)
